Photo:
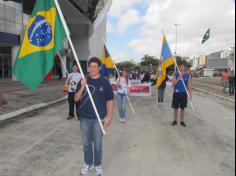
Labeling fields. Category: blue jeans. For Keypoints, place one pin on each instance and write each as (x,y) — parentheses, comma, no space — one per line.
(91,134)
(161,94)
(122,100)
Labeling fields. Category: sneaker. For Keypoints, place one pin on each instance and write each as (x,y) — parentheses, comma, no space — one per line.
(85,170)
(121,120)
(183,124)
(174,123)
(99,171)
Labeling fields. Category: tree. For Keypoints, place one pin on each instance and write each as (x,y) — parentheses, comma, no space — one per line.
(149,61)
(182,61)
(127,65)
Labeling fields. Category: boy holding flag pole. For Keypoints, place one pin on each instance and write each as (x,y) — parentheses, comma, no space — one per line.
(182,82)
(88,126)
(44,37)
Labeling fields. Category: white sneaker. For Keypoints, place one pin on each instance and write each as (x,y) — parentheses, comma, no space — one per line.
(124,120)
(121,119)
(85,170)
(99,171)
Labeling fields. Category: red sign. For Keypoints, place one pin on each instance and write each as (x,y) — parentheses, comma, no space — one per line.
(137,89)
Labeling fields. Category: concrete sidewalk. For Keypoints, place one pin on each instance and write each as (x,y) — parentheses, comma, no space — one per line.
(18,97)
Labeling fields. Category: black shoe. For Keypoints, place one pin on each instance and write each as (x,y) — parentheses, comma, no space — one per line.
(183,124)
(174,123)
(70,117)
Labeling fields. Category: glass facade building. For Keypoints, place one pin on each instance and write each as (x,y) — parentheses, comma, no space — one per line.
(11,26)
(11,17)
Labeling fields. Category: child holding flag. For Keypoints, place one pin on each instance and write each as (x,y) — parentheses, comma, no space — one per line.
(91,132)
(122,91)
(180,97)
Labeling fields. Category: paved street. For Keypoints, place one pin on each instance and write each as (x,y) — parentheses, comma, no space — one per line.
(47,145)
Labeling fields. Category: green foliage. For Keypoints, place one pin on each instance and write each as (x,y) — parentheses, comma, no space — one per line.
(127,65)
(182,61)
(149,61)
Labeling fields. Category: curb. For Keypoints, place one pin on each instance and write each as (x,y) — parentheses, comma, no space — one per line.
(219,96)
(29,109)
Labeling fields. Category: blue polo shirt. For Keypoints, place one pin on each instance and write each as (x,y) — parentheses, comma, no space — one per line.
(179,87)
(102,92)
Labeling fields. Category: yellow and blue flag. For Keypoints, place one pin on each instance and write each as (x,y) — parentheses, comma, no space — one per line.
(108,65)
(44,37)
(167,59)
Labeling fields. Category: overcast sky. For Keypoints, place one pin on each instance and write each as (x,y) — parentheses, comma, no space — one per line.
(134,26)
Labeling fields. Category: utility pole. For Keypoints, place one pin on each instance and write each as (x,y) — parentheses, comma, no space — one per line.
(176,42)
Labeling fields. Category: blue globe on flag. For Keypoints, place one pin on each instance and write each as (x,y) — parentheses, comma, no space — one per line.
(40,32)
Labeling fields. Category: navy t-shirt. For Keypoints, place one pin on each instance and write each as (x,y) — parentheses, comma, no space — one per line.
(102,92)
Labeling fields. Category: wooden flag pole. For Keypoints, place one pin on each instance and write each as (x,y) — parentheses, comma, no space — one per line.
(131,106)
(79,65)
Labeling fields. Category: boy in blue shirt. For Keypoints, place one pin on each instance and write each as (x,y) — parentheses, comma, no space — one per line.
(180,97)
(92,135)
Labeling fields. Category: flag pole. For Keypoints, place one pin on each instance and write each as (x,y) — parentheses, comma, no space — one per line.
(63,63)
(131,106)
(183,82)
(79,65)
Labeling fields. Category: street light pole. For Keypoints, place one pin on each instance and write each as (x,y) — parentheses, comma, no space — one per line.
(176,42)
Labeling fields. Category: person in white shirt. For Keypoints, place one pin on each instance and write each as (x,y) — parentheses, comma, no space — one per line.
(123,89)
(71,83)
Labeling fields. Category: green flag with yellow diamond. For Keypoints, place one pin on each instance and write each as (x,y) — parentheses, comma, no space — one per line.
(206,36)
(43,38)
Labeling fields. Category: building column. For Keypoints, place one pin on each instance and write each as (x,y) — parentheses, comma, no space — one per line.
(64,73)
(14,52)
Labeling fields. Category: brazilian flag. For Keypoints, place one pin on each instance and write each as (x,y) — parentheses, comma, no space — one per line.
(43,38)
(206,36)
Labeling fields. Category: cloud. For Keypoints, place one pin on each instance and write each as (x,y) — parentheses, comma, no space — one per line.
(129,18)
(110,28)
(195,16)
(121,6)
